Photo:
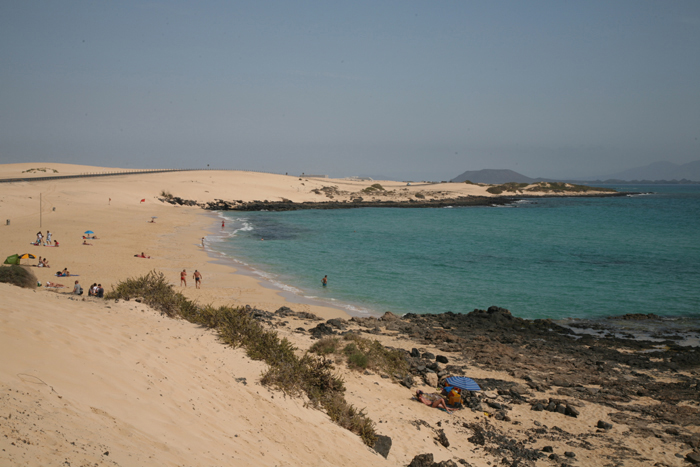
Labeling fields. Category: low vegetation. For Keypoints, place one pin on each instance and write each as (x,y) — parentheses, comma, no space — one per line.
(544,187)
(360,353)
(310,374)
(40,169)
(560,187)
(373,188)
(510,187)
(166,194)
(19,276)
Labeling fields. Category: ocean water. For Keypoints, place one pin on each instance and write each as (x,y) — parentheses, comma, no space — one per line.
(559,258)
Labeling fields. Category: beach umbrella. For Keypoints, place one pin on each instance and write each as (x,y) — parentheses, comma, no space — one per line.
(89,232)
(463,382)
(27,256)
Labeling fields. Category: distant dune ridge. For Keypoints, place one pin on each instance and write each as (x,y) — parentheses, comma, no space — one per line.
(657,171)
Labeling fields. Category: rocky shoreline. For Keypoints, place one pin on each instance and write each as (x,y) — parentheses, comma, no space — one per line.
(652,388)
(360,202)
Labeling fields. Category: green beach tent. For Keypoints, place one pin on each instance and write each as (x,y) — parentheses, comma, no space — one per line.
(14,259)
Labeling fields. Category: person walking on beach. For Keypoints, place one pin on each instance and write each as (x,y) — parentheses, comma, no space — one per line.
(202,242)
(197,278)
(48,238)
(183,278)
(324,281)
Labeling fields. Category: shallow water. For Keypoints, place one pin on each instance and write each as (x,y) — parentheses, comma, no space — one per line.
(548,258)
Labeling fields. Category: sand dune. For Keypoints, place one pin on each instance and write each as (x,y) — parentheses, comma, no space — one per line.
(94,382)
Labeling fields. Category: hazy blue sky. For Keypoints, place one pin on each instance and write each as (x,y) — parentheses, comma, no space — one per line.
(411,90)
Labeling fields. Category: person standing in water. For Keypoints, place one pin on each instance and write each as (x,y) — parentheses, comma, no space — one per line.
(222,225)
(324,281)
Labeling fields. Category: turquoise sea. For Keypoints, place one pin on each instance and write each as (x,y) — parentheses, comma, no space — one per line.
(547,258)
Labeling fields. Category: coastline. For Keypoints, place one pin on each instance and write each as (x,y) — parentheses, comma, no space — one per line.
(120,381)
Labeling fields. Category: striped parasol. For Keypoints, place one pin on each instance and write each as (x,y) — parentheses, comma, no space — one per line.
(463,382)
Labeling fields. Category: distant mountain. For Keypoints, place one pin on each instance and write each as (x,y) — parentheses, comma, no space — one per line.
(494,177)
(660,171)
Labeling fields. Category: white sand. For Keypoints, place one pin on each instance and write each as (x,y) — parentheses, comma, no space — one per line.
(80,378)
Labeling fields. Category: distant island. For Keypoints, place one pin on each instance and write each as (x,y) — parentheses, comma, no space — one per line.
(691,176)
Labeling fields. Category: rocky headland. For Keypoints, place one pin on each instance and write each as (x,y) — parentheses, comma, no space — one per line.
(650,388)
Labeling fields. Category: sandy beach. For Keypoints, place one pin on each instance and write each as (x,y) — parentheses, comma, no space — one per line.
(87,381)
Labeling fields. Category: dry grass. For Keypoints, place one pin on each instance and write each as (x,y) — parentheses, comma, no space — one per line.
(309,374)
(361,353)
(19,276)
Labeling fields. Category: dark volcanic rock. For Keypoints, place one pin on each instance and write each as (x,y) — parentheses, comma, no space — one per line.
(422,460)
(321,330)
(442,439)
(357,202)
(441,359)
(604,425)
(383,445)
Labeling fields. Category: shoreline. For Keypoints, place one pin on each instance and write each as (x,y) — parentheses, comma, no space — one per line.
(95,381)
(358,203)
(239,267)
(647,328)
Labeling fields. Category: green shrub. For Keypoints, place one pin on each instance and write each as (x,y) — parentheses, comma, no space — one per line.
(166,194)
(496,190)
(373,188)
(349,417)
(560,187)
(155,291)
(325,346)
(350,349)
(420,195)
(19,276)
(358,359)
(309,374)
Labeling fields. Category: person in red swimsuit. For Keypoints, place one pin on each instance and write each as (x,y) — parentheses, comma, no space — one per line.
(183,278)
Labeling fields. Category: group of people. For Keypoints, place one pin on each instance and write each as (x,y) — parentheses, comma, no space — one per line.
(197,276)
(96,290)
(44,241)
(43,263)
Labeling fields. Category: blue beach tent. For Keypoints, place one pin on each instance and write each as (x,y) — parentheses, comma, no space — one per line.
(463,382)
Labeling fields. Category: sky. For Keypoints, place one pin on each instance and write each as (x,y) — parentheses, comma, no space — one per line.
(399,89)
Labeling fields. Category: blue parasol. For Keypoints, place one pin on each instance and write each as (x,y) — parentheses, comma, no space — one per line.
(89,232)
(463,382)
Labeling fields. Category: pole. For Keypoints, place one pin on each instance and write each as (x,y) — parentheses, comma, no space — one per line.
(39,210)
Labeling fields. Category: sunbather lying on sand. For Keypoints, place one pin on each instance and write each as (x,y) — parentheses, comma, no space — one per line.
(432,400)
(54,285)
(142,255)
(86,243)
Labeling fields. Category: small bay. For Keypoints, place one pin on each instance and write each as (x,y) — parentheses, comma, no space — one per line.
(556,258)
